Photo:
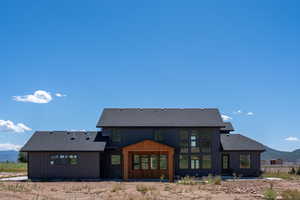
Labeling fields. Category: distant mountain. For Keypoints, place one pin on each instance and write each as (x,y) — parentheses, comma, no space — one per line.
(284,155)
(11,156)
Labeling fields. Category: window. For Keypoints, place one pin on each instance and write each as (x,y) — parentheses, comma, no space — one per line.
(183,161)
(206,161)
(145,161)
(158,135)
(63,159)
(245,161)
(225,161)
(115,159)
(136,162)
(184,143)
(163,162)
(206,146)
(116,136)
(194,141)
(153,161)
(195,162)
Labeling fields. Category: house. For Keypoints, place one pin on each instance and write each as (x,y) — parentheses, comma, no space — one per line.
(145,144)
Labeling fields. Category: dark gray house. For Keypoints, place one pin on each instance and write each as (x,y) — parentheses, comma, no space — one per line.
(147,143)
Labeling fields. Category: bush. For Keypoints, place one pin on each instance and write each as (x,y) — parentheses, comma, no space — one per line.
(144,189)
(270,194)
(292,171)
(298,171)
(187,180)
(22,157)
(212,179)
(290,195)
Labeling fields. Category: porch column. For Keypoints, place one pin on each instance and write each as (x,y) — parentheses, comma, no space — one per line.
(171,165)
(125,164)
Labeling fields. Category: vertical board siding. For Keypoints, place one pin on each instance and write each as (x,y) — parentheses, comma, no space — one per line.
(88,166)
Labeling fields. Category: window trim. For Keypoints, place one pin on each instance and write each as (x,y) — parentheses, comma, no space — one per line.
(111,160)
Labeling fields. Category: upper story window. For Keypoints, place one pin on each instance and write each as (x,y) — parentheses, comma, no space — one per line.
(245,161)
(184,141)
(158,135)
(195,141)
(115,136)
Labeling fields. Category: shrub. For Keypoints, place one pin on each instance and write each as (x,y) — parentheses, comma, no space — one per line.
(22,157)
(212,179)
(292,171)
(298,171)
(290,195)
(270,194)
(187,180)
(117,187)
(144,189)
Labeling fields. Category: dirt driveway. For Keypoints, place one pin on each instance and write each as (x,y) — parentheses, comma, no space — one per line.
(228,190)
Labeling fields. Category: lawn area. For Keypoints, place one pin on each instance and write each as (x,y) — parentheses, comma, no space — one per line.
(13,167)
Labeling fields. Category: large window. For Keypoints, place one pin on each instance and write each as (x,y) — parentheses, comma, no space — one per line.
(154,161)
(184,141)
(150,162)
(195,162)
(206,161)
(115,136)
(245,161)
(194,141)
(163,161)
(183,161)
(64,159)
(136,162)
(206,146)
(158,135)
(115,159)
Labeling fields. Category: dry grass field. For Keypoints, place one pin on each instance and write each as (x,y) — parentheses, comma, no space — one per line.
(109,190)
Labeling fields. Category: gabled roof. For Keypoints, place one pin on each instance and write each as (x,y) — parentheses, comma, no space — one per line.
(64,141)
(228,127)
(156,117)
(237,142)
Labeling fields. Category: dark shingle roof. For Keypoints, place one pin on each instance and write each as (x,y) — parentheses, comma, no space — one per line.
(237,142)
(64,141)
(228,127)
(149,117)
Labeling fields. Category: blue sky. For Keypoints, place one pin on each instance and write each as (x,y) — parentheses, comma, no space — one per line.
(233,55)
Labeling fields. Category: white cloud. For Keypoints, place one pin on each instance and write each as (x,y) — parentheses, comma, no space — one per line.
(250,113)
(76,130)
(238,112)
(39,96)
(8,147)
(9,126)
(292,139)
(60,95)
(226,118)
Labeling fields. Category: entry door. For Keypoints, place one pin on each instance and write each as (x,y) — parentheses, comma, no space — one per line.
(225,163)
(148,165)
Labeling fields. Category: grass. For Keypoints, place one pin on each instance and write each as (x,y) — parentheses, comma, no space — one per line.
(13,167)
(282,175)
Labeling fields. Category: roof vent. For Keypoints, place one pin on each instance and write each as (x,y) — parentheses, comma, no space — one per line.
(227,134)
(72,138)
(87,138)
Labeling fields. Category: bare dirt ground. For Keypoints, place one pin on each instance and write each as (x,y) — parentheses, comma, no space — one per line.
(109,190)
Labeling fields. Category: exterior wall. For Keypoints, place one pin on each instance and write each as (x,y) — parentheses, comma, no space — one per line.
(107,169)
(39,166)
(171,138)
(234,163)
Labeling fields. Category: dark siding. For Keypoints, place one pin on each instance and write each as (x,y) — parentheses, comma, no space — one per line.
(171,138)
(234,163)
(88,166)
(109,170)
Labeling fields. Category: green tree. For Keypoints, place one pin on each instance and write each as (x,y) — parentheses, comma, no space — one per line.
(22,157)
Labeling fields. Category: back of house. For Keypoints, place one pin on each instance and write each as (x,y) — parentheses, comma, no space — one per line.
(144,143)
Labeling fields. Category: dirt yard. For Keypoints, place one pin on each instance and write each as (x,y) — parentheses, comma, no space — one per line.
(228,190)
